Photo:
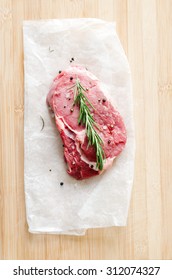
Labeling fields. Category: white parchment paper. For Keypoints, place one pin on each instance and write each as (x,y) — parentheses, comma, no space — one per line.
(101,201)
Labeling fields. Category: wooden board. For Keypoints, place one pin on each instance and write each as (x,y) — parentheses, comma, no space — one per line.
(144,27)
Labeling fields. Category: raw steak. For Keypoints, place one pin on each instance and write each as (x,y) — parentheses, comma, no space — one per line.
(81,158)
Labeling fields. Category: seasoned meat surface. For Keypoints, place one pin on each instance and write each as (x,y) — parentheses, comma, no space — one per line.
(79,156)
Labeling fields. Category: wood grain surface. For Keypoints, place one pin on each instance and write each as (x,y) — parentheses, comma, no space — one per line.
(144,27)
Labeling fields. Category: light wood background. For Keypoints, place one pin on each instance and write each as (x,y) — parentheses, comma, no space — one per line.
(145,30)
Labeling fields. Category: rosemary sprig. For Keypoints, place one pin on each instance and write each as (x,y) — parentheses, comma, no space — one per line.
(86,119)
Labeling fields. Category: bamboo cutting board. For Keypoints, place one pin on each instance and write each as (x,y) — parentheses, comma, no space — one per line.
(144,27)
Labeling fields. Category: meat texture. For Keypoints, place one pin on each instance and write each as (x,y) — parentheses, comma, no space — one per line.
(79,156)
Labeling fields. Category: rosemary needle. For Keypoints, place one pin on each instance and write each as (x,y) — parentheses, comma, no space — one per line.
(86,119)
(43,123)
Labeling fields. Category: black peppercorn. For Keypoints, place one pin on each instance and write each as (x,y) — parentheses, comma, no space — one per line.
(50,170)
(92,166)
(109,141)
(72,58)
(104,100)
(60,72)
(71,78)
(61,183)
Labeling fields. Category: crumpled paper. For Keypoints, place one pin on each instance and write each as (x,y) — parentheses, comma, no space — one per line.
(101,201)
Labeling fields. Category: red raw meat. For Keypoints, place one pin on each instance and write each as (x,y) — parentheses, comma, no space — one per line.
(81,158)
